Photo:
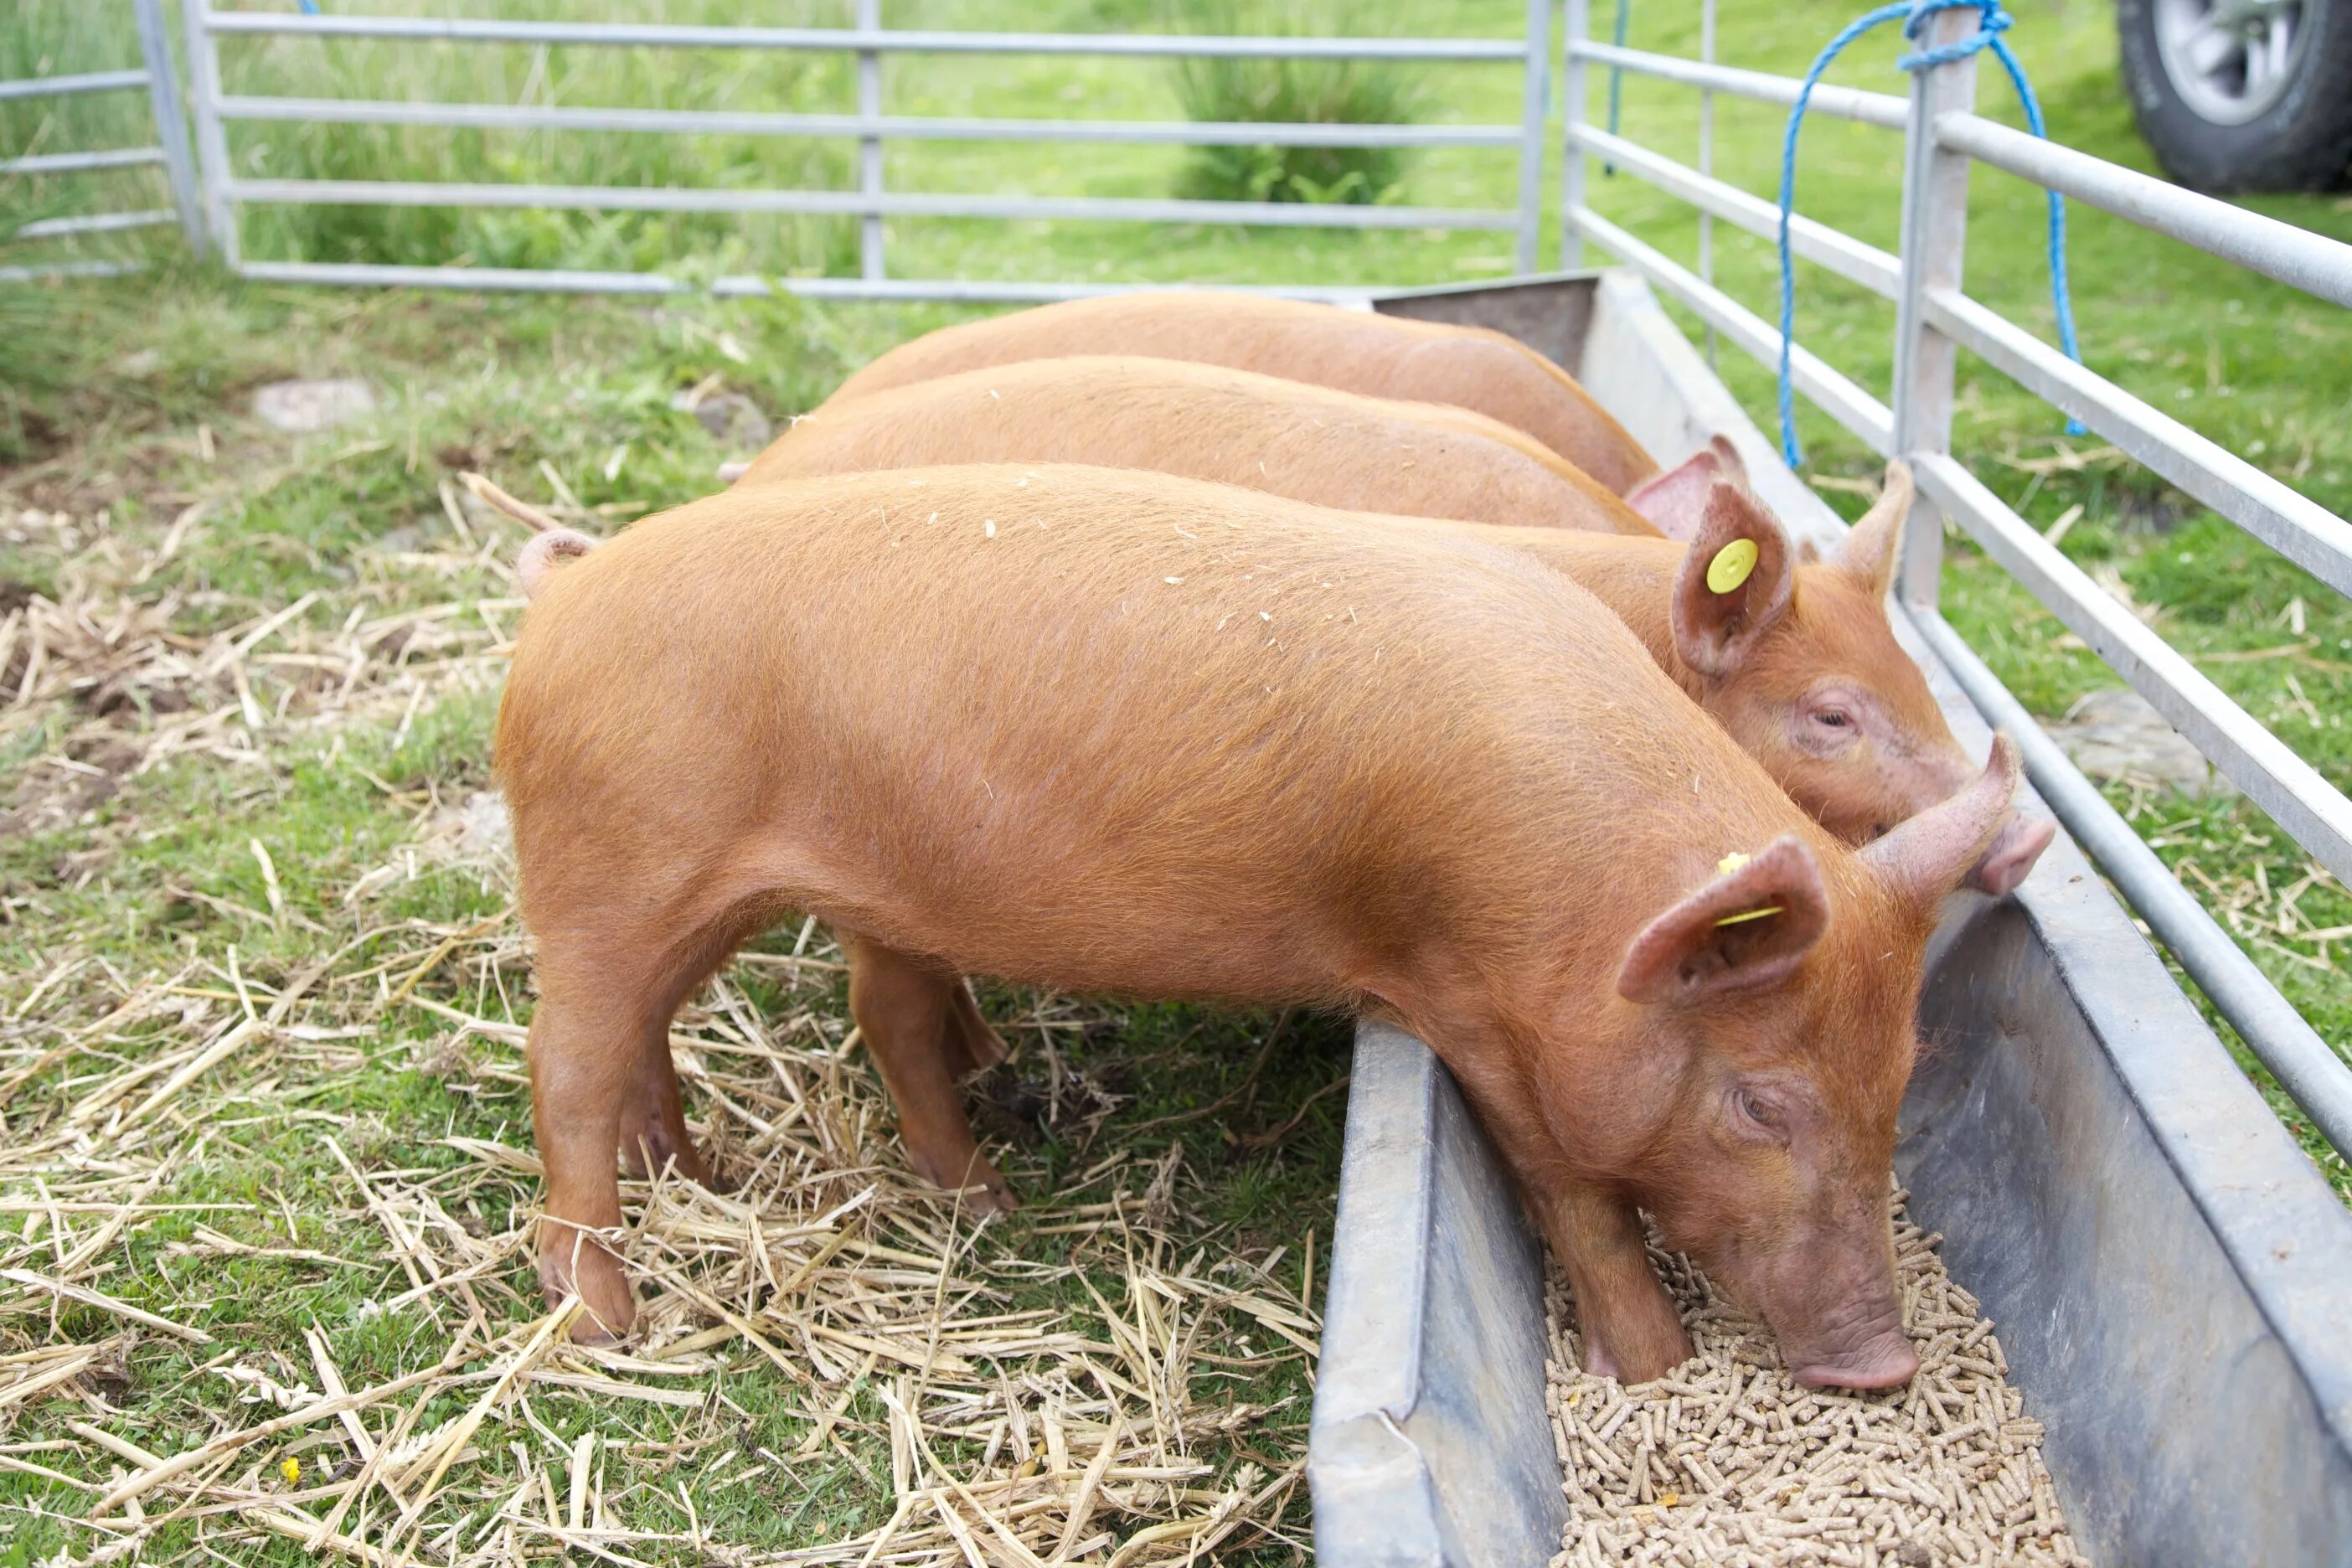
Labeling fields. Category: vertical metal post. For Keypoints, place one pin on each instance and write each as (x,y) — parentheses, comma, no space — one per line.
(212,142)
(873,265)
(1707,159)
(1535,102)
(1576,28)
(171,124)
(1934,243)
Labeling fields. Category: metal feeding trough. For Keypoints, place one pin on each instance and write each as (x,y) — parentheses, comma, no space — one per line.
(2171,1278)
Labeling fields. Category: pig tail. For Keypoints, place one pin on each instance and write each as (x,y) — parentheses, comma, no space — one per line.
(540,556)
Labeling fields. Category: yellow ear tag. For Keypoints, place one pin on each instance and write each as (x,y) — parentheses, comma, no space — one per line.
(1733,861)
(1731,565)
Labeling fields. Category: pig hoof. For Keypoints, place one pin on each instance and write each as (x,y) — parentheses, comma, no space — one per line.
(645,1151)
(986,1193)
(989,1198)
(984,1190)
(608,1306)
(1642,1363)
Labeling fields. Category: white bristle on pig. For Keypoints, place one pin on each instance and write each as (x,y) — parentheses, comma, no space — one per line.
(1727,1462)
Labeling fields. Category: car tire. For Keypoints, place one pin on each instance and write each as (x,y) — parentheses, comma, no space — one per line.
(2211,132)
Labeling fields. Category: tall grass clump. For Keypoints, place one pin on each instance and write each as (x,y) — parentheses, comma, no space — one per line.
(1312,92)
(39,336)
(68,37)
(581,77)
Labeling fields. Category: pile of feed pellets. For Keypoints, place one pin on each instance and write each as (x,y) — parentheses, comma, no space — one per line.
(1727,1462)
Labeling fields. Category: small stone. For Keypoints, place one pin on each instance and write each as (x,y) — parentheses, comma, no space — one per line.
(729,416)
(475,831)
(300,408)
(2115,734)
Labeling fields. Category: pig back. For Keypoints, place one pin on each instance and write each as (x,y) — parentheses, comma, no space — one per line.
(1311,442)
(1113,731)
(1384,356)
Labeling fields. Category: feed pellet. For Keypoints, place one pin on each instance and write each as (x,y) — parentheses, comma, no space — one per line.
(1727,1463)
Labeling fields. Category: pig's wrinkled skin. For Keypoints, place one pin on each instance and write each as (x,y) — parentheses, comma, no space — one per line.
(1799,661)
(1120,734)
(1355,351)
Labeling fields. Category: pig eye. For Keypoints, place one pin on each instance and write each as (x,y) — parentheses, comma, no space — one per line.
(1832,718)
(1757,1110)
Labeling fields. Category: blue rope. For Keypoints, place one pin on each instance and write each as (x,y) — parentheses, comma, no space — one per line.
(1914,14)
(1616,81)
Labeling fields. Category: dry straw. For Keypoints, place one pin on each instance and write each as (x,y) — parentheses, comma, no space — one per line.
(1118,1433)
(1729,1463)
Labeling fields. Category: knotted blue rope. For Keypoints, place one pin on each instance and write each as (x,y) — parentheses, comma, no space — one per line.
(1914,16)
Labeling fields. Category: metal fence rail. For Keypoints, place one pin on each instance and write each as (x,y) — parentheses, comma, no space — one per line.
(156,77)
(868,200)
(1935,321)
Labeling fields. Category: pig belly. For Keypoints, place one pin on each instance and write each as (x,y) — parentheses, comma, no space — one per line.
(997,915)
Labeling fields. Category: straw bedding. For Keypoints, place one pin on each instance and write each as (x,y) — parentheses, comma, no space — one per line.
(1727,1463)
(826,1316)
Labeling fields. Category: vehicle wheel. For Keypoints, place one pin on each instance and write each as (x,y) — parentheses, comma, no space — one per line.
(2242,95)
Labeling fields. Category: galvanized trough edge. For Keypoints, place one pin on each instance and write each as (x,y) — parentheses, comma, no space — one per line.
(2171,1277)
(1419,1454)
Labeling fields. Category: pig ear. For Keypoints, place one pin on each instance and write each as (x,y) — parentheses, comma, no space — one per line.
(1936,851)
(1869,551)
(1675,500)
(1734,583)
(1748,928)
(1727,459)
(2012,855)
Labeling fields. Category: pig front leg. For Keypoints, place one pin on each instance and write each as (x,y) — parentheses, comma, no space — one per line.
(920,1023)
(1632,1331)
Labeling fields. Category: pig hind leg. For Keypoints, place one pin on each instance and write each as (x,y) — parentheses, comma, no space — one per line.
(908,1013)
(970,1043)
(601,1082)
(586,1040)
(653,1134)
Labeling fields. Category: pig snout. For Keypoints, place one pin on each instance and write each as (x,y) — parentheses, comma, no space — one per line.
(1882,1358)
(1832,1302)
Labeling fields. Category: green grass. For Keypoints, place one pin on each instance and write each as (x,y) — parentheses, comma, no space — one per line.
(124,405)
(160,878)
(76,37)
(1323,93)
